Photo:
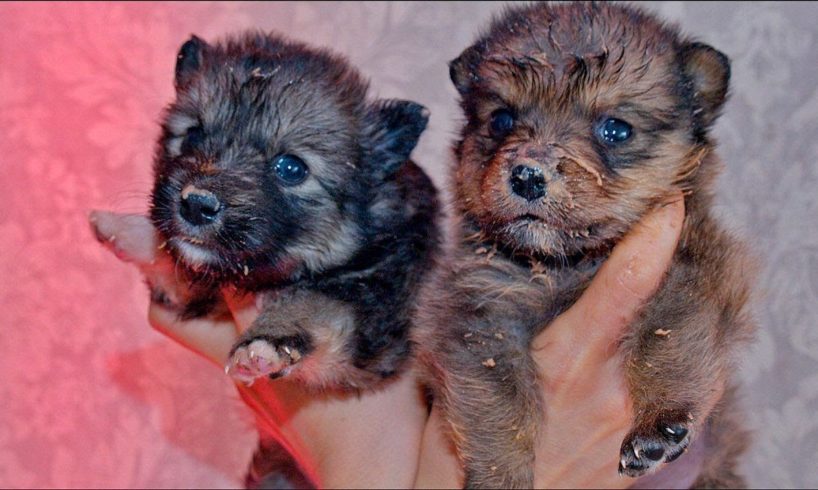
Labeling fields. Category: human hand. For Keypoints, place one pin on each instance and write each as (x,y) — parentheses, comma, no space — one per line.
(587,408)
(345,440)
(348,441)
(133,239)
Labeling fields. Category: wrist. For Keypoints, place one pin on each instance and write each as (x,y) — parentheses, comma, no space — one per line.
(344,439)
(273,423)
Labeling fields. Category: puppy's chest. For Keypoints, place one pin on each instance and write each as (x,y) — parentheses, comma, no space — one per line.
(522,293)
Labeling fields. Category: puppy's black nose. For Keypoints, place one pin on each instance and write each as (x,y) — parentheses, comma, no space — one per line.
(199,207)
(528,182)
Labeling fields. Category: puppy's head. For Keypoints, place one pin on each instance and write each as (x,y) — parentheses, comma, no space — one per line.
(268,157)
(580,118)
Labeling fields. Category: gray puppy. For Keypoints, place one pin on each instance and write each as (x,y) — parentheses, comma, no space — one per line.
(275,174)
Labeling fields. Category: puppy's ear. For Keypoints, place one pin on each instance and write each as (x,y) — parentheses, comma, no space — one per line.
(189,60)
(463,69)
(709,72)
(393,128)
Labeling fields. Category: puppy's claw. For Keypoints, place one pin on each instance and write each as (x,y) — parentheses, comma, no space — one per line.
(258,359)
(644,451)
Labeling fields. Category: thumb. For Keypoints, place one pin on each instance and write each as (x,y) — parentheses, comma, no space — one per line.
(131,237)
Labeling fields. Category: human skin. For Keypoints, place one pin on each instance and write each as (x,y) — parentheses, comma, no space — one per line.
(385,438)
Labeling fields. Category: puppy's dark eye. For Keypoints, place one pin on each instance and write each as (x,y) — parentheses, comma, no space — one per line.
(615,131)
(290,169)
(193,139)
(501,123)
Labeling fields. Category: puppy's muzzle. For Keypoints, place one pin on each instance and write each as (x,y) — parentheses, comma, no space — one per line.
(199,207)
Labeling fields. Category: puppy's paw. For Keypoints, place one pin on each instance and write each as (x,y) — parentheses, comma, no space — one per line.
(643,451)
(261,357)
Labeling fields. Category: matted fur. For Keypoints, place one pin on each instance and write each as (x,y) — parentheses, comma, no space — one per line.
(562,70)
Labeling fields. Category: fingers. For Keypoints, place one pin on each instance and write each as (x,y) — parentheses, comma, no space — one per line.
(245,308)
(438,466)
(131,237)
(211,338)
(594,324)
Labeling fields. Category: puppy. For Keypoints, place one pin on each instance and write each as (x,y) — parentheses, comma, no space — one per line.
(580,119)
(274,174)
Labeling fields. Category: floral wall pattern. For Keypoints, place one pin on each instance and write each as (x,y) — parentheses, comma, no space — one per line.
(92,397)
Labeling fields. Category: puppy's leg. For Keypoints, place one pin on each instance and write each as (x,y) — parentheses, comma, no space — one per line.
(677,366)
(674,386)
(302,334)
(291,326)
(277,340)
(489,394)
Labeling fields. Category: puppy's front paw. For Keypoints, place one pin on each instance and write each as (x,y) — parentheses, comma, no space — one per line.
(260,357)
(645,450)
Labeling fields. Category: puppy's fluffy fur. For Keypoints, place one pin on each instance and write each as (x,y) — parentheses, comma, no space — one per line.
(275,174)
(545,185)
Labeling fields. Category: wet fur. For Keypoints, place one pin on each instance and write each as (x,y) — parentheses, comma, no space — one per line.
(338,258)
(561,69)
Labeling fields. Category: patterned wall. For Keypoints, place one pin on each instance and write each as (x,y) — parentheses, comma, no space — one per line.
(91,396)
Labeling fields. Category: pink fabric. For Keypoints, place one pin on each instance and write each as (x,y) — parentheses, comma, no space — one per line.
(90,396)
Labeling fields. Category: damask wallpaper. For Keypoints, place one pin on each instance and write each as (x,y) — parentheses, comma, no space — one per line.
(90,396)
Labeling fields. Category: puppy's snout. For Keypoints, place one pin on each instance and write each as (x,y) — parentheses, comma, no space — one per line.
(528,182)
(199,206)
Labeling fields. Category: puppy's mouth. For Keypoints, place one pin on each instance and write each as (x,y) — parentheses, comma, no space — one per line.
(532,220)
(547,236)
(529,218)
(194,252)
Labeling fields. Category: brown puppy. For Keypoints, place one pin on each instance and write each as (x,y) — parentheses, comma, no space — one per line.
(580,118)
